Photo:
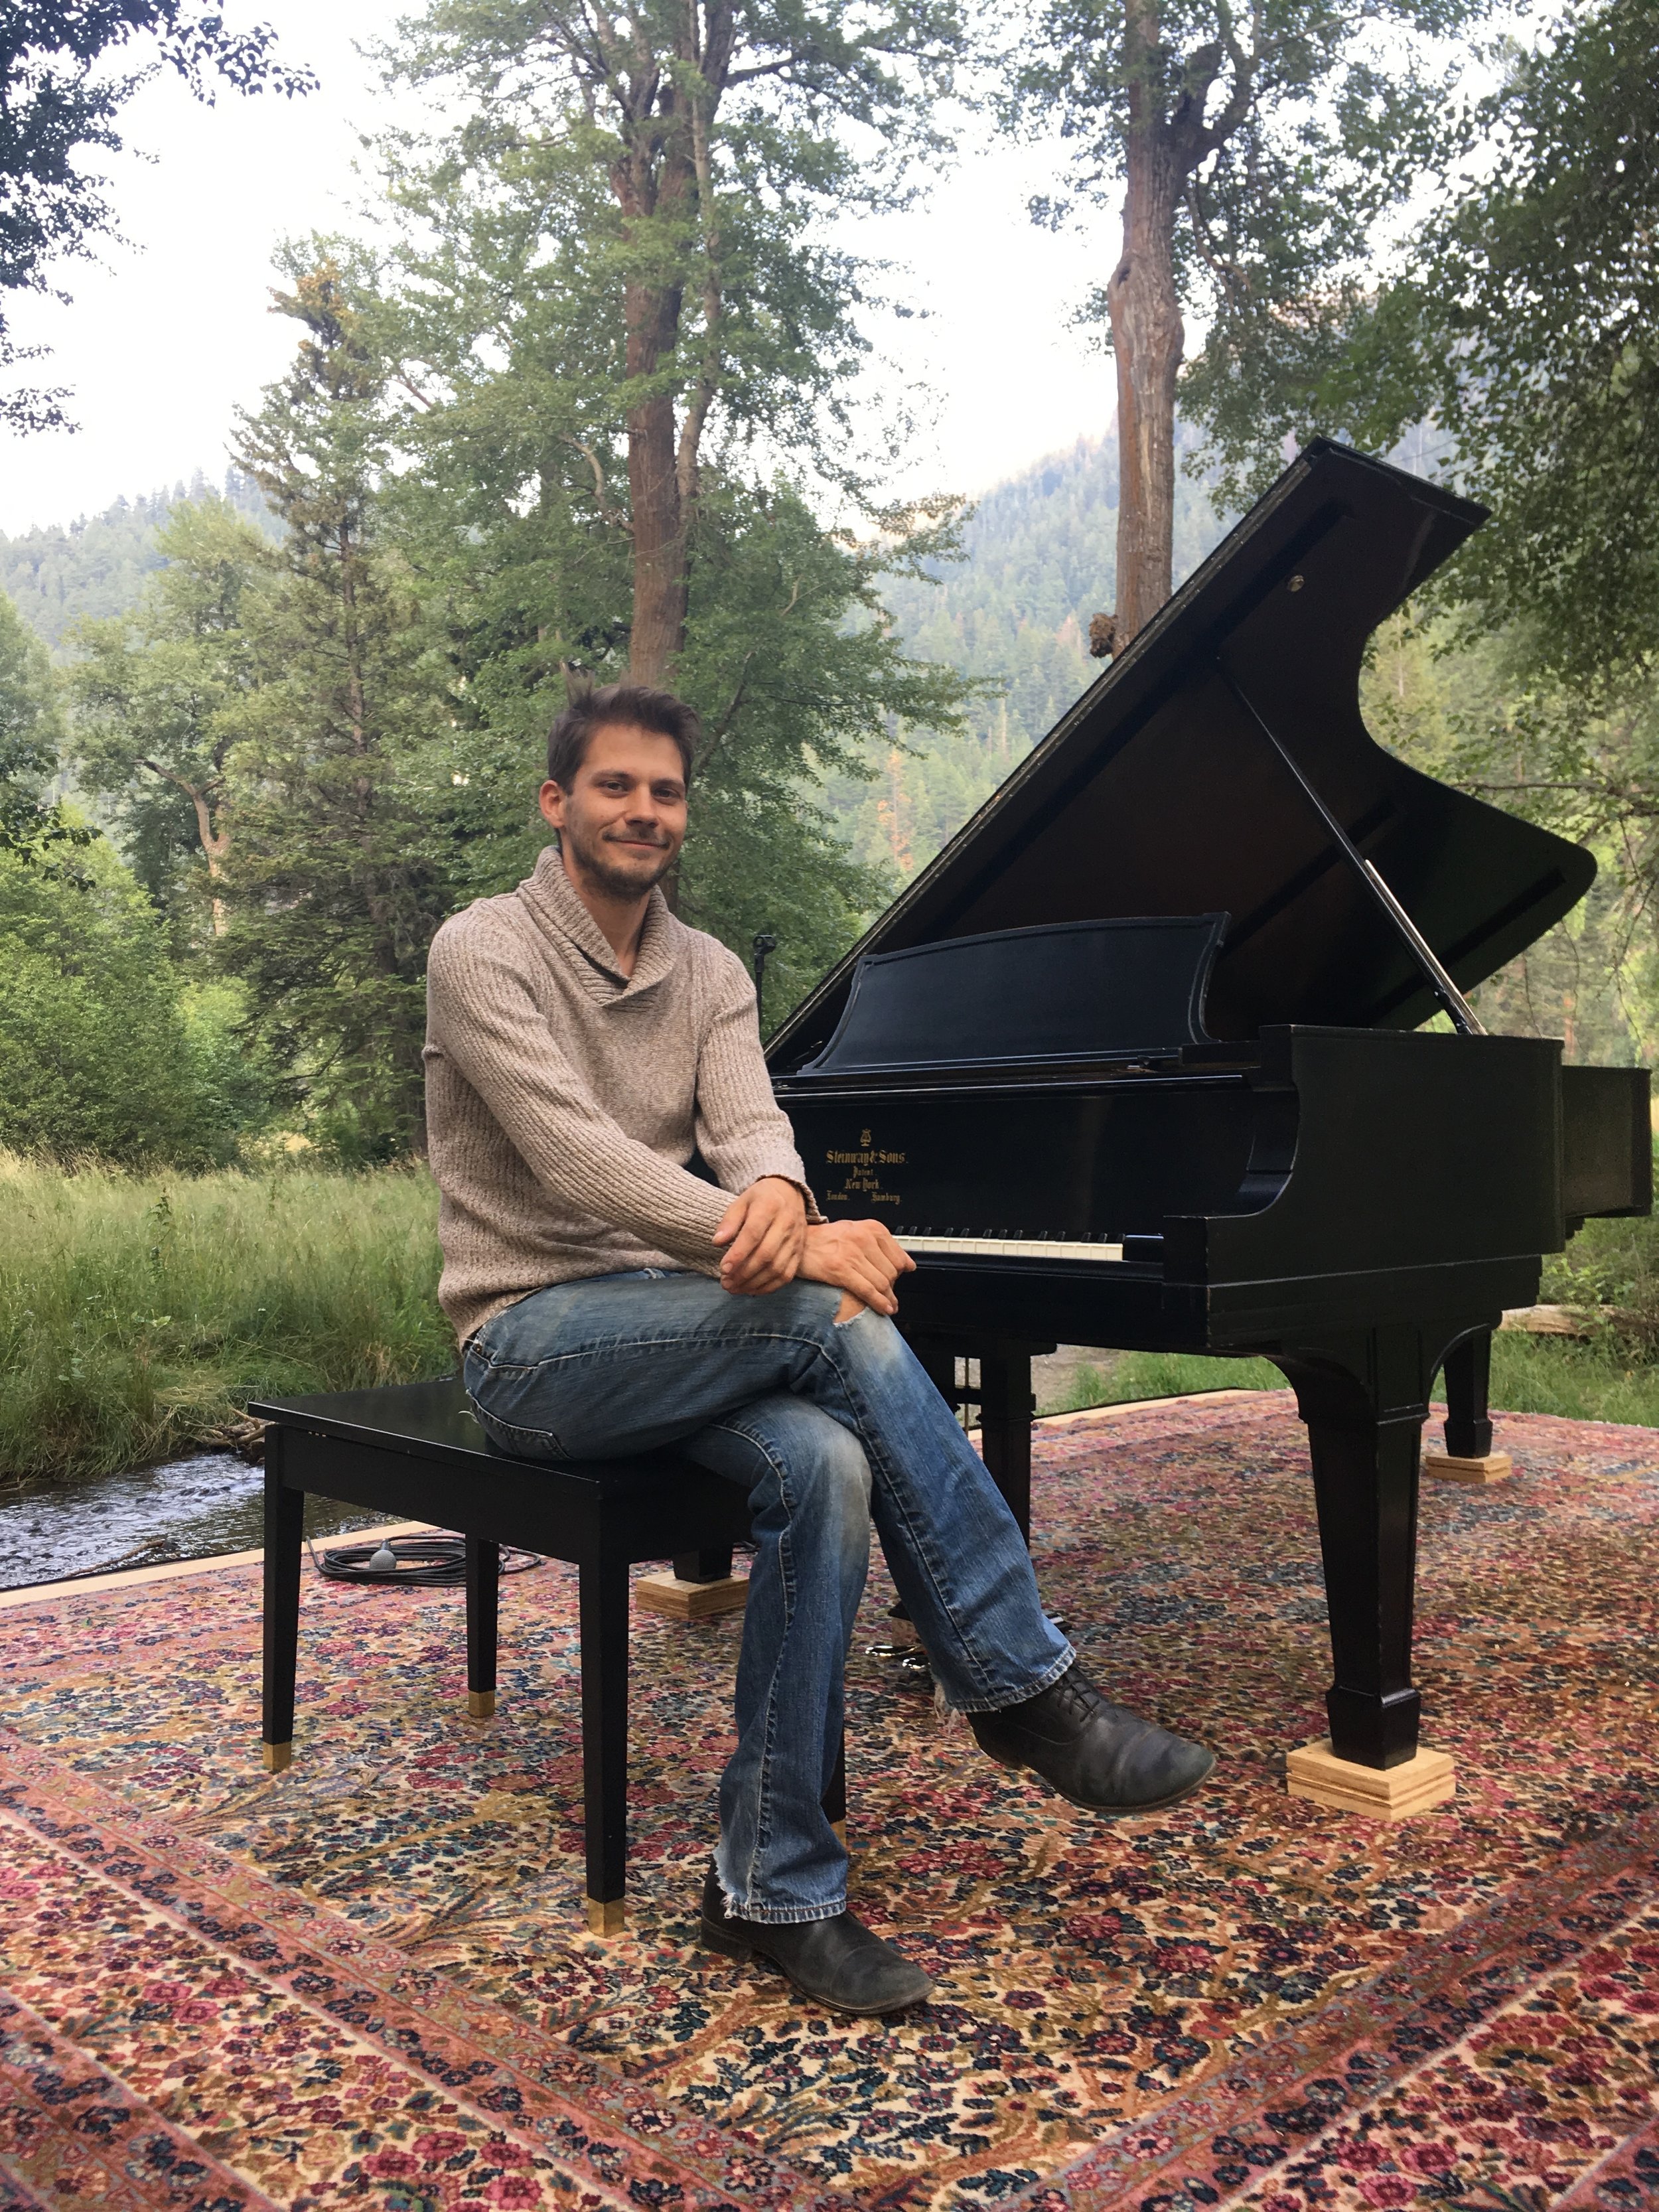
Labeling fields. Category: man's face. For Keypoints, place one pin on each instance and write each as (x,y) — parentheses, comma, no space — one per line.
(623,821)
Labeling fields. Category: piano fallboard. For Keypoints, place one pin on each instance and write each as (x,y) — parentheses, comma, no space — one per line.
(1339,1153)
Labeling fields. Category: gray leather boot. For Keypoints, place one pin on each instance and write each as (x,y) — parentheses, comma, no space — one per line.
(1095,1754)
(838,1962)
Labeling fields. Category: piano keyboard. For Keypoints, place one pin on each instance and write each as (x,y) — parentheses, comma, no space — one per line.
(1009,1248)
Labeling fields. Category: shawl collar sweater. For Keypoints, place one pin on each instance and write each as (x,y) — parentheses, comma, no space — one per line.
(566,1100)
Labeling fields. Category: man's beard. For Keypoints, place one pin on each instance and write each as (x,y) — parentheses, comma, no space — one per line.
(589,854)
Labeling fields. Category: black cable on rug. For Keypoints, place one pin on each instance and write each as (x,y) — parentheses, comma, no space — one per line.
(417,1562)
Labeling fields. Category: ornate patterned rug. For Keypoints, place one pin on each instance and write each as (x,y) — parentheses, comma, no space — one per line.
(366,1982)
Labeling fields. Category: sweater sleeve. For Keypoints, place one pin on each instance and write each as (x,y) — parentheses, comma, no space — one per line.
(483,1015)
(742,1132)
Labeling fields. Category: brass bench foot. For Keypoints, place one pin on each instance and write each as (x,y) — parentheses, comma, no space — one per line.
(606,1916)
(277,1756)
(481,1704)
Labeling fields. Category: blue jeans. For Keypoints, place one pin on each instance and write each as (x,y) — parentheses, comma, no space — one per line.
(825,1425)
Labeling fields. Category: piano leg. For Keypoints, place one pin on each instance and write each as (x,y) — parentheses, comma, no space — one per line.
(1005,1406)
(1468,1457)
(1364,1398)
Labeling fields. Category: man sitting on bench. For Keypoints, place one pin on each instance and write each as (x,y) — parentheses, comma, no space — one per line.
(583,1044)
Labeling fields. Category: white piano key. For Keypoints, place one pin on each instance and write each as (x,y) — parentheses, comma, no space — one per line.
(1014,1248)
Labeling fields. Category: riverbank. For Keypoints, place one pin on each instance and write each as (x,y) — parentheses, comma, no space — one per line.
(139,1314)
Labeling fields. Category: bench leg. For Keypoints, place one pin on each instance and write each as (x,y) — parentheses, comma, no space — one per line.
(285,1515)
(605,1741)
(483,1575)
(1006,1408)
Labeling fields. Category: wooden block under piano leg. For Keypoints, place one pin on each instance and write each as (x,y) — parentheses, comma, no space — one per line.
(1382,1793)
(667,1594)
(1494,1468)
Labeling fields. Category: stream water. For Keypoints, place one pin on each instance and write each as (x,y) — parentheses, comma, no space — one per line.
(196,1508)
(190,1509)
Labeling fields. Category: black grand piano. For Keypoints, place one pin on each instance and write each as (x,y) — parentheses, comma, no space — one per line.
(1139,1061)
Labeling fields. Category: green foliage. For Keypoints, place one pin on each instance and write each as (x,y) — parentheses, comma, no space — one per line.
(516,327)
(158,697)
(55,574)
(1611,1270)
(1478,714)
(138,1314)
(31,732)
(61,95)
(330,888)
(99,1052)
(1521,322)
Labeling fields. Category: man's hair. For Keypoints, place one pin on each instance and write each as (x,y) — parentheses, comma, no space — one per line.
(636,705)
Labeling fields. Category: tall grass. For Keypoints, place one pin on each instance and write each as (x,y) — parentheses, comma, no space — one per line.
(139,1312)
(1601,1381)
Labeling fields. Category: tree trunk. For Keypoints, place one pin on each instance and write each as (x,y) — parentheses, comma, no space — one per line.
(1144,310)
(651,314)
(659,581)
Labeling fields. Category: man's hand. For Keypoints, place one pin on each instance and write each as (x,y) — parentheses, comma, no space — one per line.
(766,1231)
(862,1258)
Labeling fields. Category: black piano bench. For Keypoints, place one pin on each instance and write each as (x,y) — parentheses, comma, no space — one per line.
(415,1452)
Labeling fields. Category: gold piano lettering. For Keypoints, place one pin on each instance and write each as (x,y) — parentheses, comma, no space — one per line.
(863,1184)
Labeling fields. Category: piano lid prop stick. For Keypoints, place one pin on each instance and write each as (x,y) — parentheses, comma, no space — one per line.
(1428,960)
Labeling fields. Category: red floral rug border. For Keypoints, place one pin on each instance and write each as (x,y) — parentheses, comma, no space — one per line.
(1272,2100)
(92,2140)
(1264,2105)
(611,2134)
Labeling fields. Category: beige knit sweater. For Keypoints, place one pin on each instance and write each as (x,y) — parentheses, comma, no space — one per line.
(564,1099)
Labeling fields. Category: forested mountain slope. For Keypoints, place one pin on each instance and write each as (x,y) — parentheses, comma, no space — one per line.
(97,565)
(1015,613)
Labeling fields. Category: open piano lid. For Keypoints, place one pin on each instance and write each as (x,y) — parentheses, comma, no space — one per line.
(1157,794)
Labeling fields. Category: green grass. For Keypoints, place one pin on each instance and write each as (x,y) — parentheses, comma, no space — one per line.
(1117,1379)
(1529,1374)
(138,1314)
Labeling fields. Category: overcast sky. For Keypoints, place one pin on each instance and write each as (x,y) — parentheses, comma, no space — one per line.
(169,333)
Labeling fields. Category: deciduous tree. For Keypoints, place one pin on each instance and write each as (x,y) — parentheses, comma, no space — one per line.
(160,696)
(683,151)
(1523,324)
(1255,150)
(575,514)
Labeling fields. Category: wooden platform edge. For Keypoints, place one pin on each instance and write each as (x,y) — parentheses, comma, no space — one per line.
(677,1600)
(1381,1793)
(166,1571)
(1496,1467)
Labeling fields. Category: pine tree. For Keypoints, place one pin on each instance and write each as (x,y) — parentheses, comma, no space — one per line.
(332,890)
